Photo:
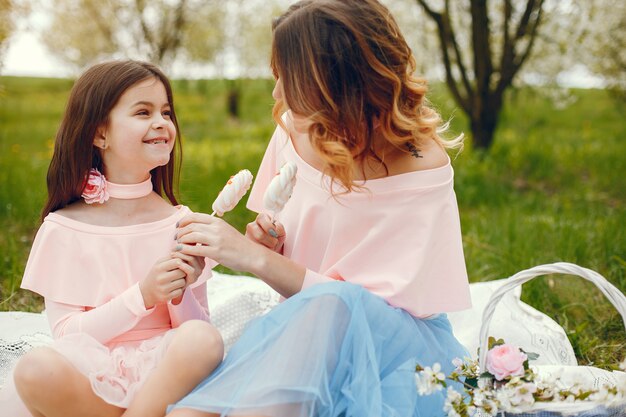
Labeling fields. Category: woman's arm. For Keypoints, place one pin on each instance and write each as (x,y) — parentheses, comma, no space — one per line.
(221,242)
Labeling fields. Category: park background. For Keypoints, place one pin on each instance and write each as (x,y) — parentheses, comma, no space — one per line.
(547,185)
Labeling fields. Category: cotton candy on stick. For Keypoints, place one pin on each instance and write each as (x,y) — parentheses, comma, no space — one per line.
(280,188)
(232,192)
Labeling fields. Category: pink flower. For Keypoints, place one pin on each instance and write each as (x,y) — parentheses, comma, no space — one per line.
(95,190)
(505,360)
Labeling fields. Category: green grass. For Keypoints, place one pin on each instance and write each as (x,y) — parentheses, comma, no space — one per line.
(552,188)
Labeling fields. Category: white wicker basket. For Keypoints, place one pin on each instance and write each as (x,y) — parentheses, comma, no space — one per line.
(615,296)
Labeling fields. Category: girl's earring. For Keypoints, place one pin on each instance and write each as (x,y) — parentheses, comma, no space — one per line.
(104,143)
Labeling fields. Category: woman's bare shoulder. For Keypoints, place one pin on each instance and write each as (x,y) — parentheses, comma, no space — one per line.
(427,156)
(432,155)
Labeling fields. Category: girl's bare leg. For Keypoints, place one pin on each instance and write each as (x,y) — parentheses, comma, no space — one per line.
(51,386)
(194,352)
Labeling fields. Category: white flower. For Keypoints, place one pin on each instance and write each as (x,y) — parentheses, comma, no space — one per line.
(484,383)
(479,396)
(503,398)
(453,403)
(488,407)
(617,399)
(515,394)
(428,380)
(507,400)
(523,394)
(546,379)
(609,395)
(601,396)
(483,401)
(436,373)
(467,366)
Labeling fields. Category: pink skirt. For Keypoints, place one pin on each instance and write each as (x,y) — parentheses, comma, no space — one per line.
(116,373)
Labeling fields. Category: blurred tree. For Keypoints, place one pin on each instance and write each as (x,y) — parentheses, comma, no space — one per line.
(602,45)
(245,45)
(6,26)
(84,31)
(11,11)
(234,36)
(498,52)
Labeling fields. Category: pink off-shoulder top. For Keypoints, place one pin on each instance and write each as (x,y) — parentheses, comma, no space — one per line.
(400,238)
(89,276)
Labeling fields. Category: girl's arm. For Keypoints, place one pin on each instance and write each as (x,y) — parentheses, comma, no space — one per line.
(103,323)
(221,242)
(164,282)
(193,305)
(121,314)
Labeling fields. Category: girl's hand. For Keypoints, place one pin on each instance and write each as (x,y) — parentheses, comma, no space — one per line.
(193,266)
(195,262)
(165,281)
(267,233)
(203,235)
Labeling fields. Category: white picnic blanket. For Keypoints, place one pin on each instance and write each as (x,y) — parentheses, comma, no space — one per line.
(235,300)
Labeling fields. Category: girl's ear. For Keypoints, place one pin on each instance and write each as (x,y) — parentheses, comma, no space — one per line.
(99,140)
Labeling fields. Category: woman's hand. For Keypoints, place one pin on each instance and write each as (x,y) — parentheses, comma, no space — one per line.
(166,281)
(207,236)
(266,232)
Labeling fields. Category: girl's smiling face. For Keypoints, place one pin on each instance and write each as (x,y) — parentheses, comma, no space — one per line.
(139,135)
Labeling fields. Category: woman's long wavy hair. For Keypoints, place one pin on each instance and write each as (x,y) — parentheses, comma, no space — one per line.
(93,96)
(346,67)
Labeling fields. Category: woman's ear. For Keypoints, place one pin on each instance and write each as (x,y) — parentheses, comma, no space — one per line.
(99,140)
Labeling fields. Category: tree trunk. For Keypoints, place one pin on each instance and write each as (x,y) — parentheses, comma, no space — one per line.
(233,98)
(479,90)
(484,120)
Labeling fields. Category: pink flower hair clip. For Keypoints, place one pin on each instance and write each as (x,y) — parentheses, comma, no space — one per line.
(95,190)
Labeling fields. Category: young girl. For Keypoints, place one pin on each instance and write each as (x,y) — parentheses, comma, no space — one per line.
(129,317)
(368,249)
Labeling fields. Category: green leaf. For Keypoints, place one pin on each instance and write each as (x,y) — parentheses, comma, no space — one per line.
(492,342)
(472,382)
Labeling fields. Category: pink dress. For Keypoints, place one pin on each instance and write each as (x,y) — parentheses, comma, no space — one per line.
(89,276)
(422,272)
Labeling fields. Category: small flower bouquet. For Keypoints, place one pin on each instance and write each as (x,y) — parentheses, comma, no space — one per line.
(510,386)
(501,382)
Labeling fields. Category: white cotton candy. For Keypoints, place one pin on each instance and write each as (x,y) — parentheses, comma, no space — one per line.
(280,189)
(232,192)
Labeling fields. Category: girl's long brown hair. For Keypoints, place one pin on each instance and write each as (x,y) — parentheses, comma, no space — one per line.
(346,67)
(93,96)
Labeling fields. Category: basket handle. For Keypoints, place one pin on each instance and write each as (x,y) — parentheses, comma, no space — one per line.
(611,292)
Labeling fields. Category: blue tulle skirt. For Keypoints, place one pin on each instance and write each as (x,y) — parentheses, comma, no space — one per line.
(332,350)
